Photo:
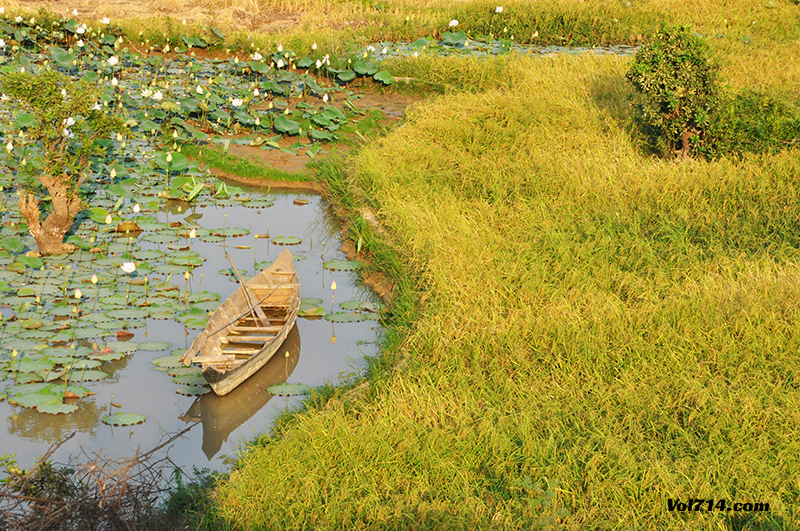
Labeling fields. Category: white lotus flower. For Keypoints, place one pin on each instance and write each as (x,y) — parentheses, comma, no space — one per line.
(280,48)
(370,49)
(325,98)
(80,30)
(113,173)
(319,63)
(80,43)
(114,82)
(333,286)
(158,96)
(314,46)
(146,93)
(2,11)
(453,23)
(193,233)
(385,50)
(113,60)
(18,19)
(96,107)
(199,89)
(10,146)
(255,92)
(105,20)
(75,12)
(69,122)
(136,208)
(498,9)
(169,157)
(128,267)
(109,219)
(280,63)
(257,56)
(4,97)
(119,137)
(236,102)
(2,43)
(94,279)
(78,294)
(64,92)
(67,133)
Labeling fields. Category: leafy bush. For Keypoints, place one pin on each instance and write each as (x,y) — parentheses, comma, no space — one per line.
(678,78)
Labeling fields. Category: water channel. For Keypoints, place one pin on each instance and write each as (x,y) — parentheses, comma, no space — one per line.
(317,351)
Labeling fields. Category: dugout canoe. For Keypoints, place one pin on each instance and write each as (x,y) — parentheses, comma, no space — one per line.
(246,330)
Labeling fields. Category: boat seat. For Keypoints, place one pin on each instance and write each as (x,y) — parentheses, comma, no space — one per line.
(249,339)
(265,329)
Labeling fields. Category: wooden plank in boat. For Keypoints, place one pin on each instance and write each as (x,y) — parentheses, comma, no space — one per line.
(265,329)
(250,339)
(214,359)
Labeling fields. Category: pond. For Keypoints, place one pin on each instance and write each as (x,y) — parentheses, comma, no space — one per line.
(318,350)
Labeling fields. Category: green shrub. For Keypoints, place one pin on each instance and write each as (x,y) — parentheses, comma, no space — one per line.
(678,79)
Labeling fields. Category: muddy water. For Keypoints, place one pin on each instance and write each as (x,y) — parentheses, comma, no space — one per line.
(221,424)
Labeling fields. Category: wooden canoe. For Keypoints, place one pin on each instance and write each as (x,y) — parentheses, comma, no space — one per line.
(248,327)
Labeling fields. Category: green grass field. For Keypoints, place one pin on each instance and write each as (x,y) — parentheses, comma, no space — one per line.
(580,331)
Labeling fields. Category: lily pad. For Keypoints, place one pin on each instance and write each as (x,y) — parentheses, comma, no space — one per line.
(287,389)
(342,265)
(167,362)
(345,317)
(123,419)
(287,240)
(190,379)
(154,345)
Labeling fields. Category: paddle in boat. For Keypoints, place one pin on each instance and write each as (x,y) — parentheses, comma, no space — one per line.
(248,327)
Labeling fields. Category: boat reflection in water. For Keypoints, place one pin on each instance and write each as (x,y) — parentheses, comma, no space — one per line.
(221,415)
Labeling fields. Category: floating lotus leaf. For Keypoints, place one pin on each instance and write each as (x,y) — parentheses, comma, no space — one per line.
(29,365)
(96,318)
(287,240)
(129,313)
(190,379)
(345,317)
(123,419)
(212,239)
(107,354)
(34,334)
(154,345)
(161,237)
(167,269)
(311,301)
(360,305)
(28,377)
(181,371)
(342,265)
(195,324)
(76,391)
(34,397)
(123,346)
(88,375)
(55,406)
(20,389)
(317,311)
(116,325)
(194,261)
(192,313)
(150,254)
(259,203)
(192,390)
(167,362)
(287,389)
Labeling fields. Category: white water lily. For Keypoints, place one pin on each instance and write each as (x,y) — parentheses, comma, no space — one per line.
(280,48)
(199,89)
(69,122)
(114,82)
(319,63)
(2,43)
(314,46)
(280,63)
(105,20)
(113,173)
(78,294)
(94,278)
(67,133)
(119,137)
(113,60)
(109,219)
(4,97)
(136,208)
(236,102)
(80,30)
(385,50)
(80,43)
(169,157)
(158,96)
(325,98)
(193,233)
(255,92)
(498,9)
(333,286)
(146,93)
(128,267)
(453,23)
(257,56)
(19,18)
(75,12)
(96,107)
(535,34)
(10,146)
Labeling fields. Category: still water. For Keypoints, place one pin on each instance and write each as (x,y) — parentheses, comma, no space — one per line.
(316,352)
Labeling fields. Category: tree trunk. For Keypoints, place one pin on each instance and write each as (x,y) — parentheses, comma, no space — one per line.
(49,235)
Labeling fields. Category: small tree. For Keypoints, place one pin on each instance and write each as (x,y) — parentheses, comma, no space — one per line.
(678,78)
(55,135)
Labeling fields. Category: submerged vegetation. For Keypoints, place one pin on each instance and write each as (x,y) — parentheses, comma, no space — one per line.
(579,331)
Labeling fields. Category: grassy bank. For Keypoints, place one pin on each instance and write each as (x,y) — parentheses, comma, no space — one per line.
(598,332)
